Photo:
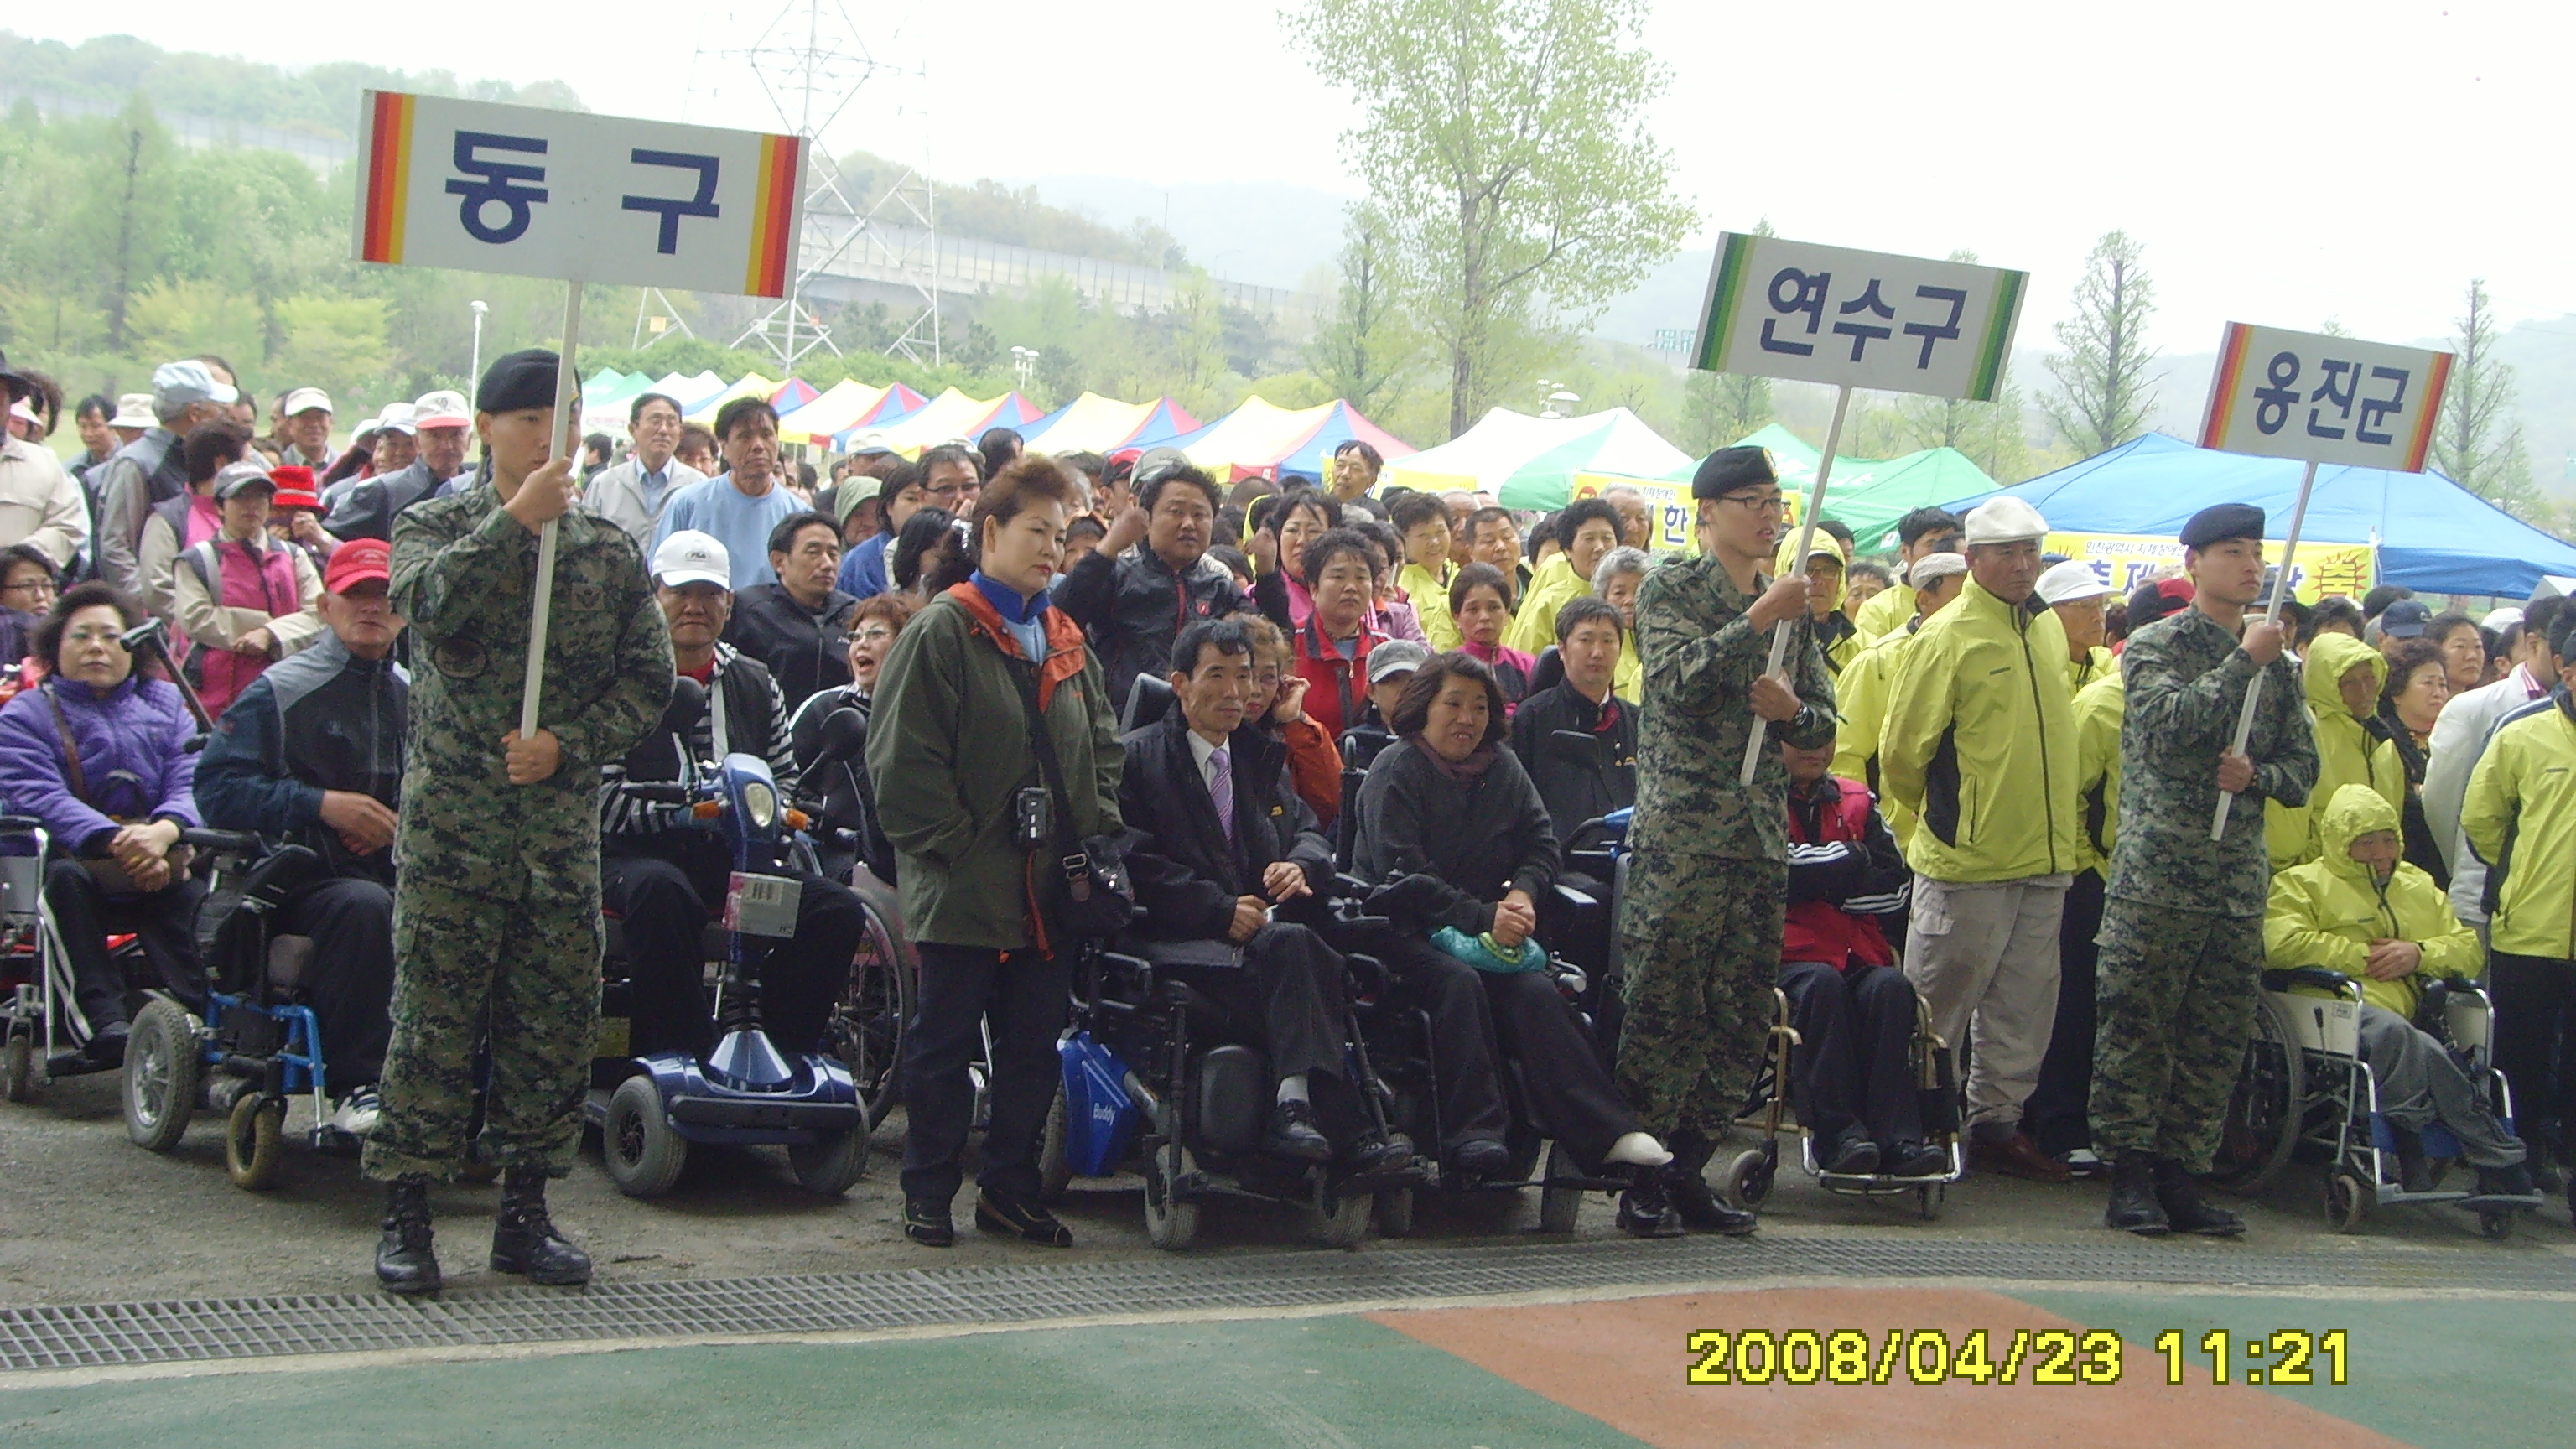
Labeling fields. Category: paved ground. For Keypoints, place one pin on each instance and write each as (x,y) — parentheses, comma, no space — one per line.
(67,1174)
(1563,1376)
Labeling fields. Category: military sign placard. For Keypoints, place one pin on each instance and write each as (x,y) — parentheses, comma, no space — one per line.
(2321,399)
(1814,313)
(538,193)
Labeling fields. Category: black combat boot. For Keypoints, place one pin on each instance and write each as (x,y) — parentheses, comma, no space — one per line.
(2133,1198)
(2184,1209)
(1644,1210)
(404,1262)
(524,1239)
(1686,1188)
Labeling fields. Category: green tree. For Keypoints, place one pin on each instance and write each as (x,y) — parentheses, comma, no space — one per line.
(2478,443)
(2104,394)
(1720,407)
(1365,347)
(1504,144)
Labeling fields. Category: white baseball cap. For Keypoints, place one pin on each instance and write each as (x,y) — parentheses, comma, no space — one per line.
(397,416)
(1932,568)
(133,410)
(191,381)
(2071,582)
(691,557)
(2005,520)
(442,409)
(21,409)
(305,400)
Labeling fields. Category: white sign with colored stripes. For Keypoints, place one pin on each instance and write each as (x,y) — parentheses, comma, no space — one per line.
(2324,399)
(1858,319)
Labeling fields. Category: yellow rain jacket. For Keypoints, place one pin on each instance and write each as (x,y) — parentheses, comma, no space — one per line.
(2520,816)
(2347,752)
(1884,613)
(1860,696)
(2098,710)
(2328,911)
(1980,741)
(1533,625)
(1429,596)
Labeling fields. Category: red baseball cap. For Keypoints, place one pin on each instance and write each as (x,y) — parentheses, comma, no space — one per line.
(296,498)
(293,477)
(358,561)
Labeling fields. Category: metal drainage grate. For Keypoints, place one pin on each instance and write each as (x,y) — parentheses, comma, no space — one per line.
(80,1336)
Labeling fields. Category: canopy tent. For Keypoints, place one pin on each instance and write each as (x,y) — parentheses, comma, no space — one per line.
(795,392)
(1095,424)
(2430,533)
(1256,435)
(1531,462)
(605,398)
(1793,456)
(750,384)
(1009,411)
(1342,424)
(950,415)
(687,391)
(1873,496)
(835,408)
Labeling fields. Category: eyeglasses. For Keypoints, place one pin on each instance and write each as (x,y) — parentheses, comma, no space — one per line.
(1759,503)
(32,586)
(873,634)
(96,636)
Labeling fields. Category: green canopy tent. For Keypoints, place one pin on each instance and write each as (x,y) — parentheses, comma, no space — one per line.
(1872,496)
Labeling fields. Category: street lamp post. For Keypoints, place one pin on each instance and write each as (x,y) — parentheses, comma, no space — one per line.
(1555,400)
(1024,362)
(474,370)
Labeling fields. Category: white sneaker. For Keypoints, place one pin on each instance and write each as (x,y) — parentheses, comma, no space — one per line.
(357,1112)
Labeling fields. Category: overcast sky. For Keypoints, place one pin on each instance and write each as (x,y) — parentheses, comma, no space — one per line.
(2283,162)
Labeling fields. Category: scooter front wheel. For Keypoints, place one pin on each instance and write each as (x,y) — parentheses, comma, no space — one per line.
(831,1165)
(644,1153)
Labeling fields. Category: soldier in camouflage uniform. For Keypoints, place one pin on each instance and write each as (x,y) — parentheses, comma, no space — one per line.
(2182,923)
(1700,914)
(496,920)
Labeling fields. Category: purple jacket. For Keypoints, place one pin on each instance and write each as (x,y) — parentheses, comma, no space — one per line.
(132,753)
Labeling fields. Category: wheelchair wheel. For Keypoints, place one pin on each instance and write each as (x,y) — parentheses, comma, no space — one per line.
(2266,1106)
(2348,1201)
(1170,1223)
(18,1067)
(1395,1213)
(1340,1219)
(1558,1207)
(1928,1199)
(1055,1167)
(867,1027)
(1747,1178)
(831,1166)
(161,1069)
(643,1151)
(252,1138)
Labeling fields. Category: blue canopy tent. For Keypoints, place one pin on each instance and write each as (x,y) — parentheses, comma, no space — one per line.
(2433,535)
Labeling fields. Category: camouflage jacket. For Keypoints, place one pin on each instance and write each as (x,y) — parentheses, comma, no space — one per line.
(2185,679)
(1701,656)
(464,573)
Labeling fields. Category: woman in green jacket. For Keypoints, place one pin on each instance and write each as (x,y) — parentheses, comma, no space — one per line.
(2360,909)
(957,774)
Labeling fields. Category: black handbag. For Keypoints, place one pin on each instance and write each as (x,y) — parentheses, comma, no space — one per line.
(1099,899)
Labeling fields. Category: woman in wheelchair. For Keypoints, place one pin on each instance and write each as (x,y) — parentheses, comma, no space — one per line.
(1219,845)
(1450,820)
(1853,1008)
(101,757)
(2362,910)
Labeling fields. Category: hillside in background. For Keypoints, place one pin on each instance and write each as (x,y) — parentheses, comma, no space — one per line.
(320,100)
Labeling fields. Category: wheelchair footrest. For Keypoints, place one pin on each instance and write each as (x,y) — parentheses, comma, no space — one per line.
(72,1064)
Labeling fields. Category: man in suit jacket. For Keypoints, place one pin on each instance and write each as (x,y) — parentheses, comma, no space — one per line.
(1219,843)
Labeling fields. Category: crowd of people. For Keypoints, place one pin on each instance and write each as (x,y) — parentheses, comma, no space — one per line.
(1986,783)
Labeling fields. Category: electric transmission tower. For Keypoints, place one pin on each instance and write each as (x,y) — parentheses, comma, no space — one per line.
(811,63)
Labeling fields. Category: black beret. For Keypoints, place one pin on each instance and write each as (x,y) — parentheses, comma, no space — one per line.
(519,381)
(2222,521)
(1729,469)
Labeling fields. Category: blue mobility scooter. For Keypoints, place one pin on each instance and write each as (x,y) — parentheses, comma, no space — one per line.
(650,1110)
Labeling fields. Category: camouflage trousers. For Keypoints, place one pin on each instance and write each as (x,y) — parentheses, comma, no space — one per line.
(2175,1002)
(1701,938)
(525,959)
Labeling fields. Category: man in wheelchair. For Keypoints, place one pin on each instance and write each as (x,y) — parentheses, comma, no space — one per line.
(1219,848)
(311,754)
(1852,1006)
(666,881)
(2362,910)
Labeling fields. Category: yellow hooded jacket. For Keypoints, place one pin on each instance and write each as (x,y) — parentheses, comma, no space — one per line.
(1429,595)
(2347,752)
(1884,613)
(2099,707)
(1980,741)
(2520,815)
(1533,625)
(1860,696)
(2328,911)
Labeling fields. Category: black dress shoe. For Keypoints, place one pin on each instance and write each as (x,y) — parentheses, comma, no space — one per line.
(1913,1159)
(524,1238)
(2514,1181)
(107,1049)
(1293,1133)
(1389,1153)
(1698,1207)
(1853,1157)
(404,1262)
(1480,1157)
(1007,1212)
(1644,1210)
(926,1221)
(2133,1205)
(2179,1196)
